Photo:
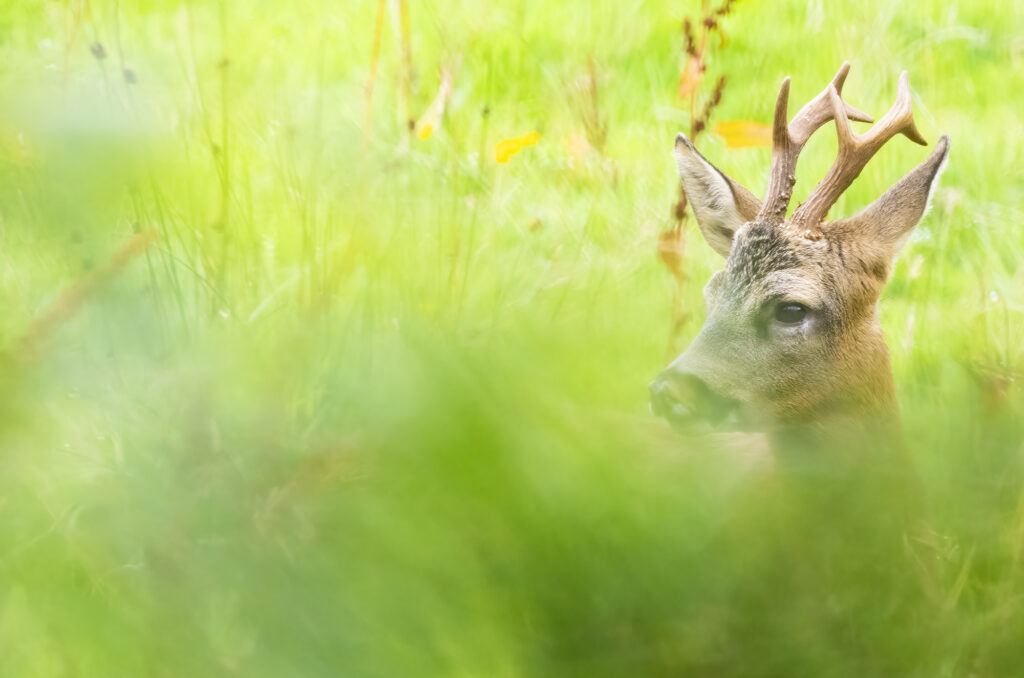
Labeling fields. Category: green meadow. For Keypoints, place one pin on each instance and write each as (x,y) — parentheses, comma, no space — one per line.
(289,389)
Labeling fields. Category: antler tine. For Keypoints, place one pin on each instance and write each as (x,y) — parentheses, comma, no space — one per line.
(855,150)
(789,139)
(819,110)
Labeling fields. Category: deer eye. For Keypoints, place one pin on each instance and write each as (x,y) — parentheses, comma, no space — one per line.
(790,313)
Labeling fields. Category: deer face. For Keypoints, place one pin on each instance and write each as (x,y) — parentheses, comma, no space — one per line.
(792,334)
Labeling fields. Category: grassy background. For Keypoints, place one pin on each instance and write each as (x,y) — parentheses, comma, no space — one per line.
(372,405)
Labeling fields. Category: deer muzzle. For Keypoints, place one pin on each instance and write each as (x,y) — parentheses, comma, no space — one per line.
(687,402)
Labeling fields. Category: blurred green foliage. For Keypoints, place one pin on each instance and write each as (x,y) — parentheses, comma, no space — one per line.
(375,405)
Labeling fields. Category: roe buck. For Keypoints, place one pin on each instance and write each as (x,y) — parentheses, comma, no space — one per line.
(792,336)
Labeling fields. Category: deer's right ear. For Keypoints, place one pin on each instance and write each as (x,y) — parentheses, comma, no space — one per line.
(721,204)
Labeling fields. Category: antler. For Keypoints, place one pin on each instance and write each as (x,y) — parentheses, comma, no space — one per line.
(789,140)
(855,150)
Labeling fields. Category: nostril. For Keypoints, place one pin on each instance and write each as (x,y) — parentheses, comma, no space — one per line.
(670,397)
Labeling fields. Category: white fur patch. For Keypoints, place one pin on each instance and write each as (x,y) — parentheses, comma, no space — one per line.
(935,183)
(710,196)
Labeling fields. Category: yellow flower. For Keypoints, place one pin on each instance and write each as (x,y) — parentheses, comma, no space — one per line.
(506,148)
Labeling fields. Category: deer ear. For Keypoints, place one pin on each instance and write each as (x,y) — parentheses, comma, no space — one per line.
(721,204)
(890,219)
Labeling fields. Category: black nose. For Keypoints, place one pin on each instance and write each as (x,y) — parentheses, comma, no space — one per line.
(685,399)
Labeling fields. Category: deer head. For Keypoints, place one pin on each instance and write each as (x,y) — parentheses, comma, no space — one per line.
(792,334)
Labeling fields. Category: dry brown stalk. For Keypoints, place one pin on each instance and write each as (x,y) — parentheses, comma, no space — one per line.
(71,300)
(378,29)
(406,78)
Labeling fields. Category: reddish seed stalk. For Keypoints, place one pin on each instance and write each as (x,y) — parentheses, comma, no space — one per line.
(672,243)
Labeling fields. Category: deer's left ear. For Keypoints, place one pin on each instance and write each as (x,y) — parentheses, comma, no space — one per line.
(720,204)
(890,219)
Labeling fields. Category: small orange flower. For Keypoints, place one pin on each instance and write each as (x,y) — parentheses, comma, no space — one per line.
(744,133)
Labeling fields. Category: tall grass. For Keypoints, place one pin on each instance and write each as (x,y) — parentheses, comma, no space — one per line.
(375,405)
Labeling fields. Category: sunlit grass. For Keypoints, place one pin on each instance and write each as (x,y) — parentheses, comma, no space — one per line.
(373,402)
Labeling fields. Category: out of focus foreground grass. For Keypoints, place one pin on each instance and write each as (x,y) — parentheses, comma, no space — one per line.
(371,404)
